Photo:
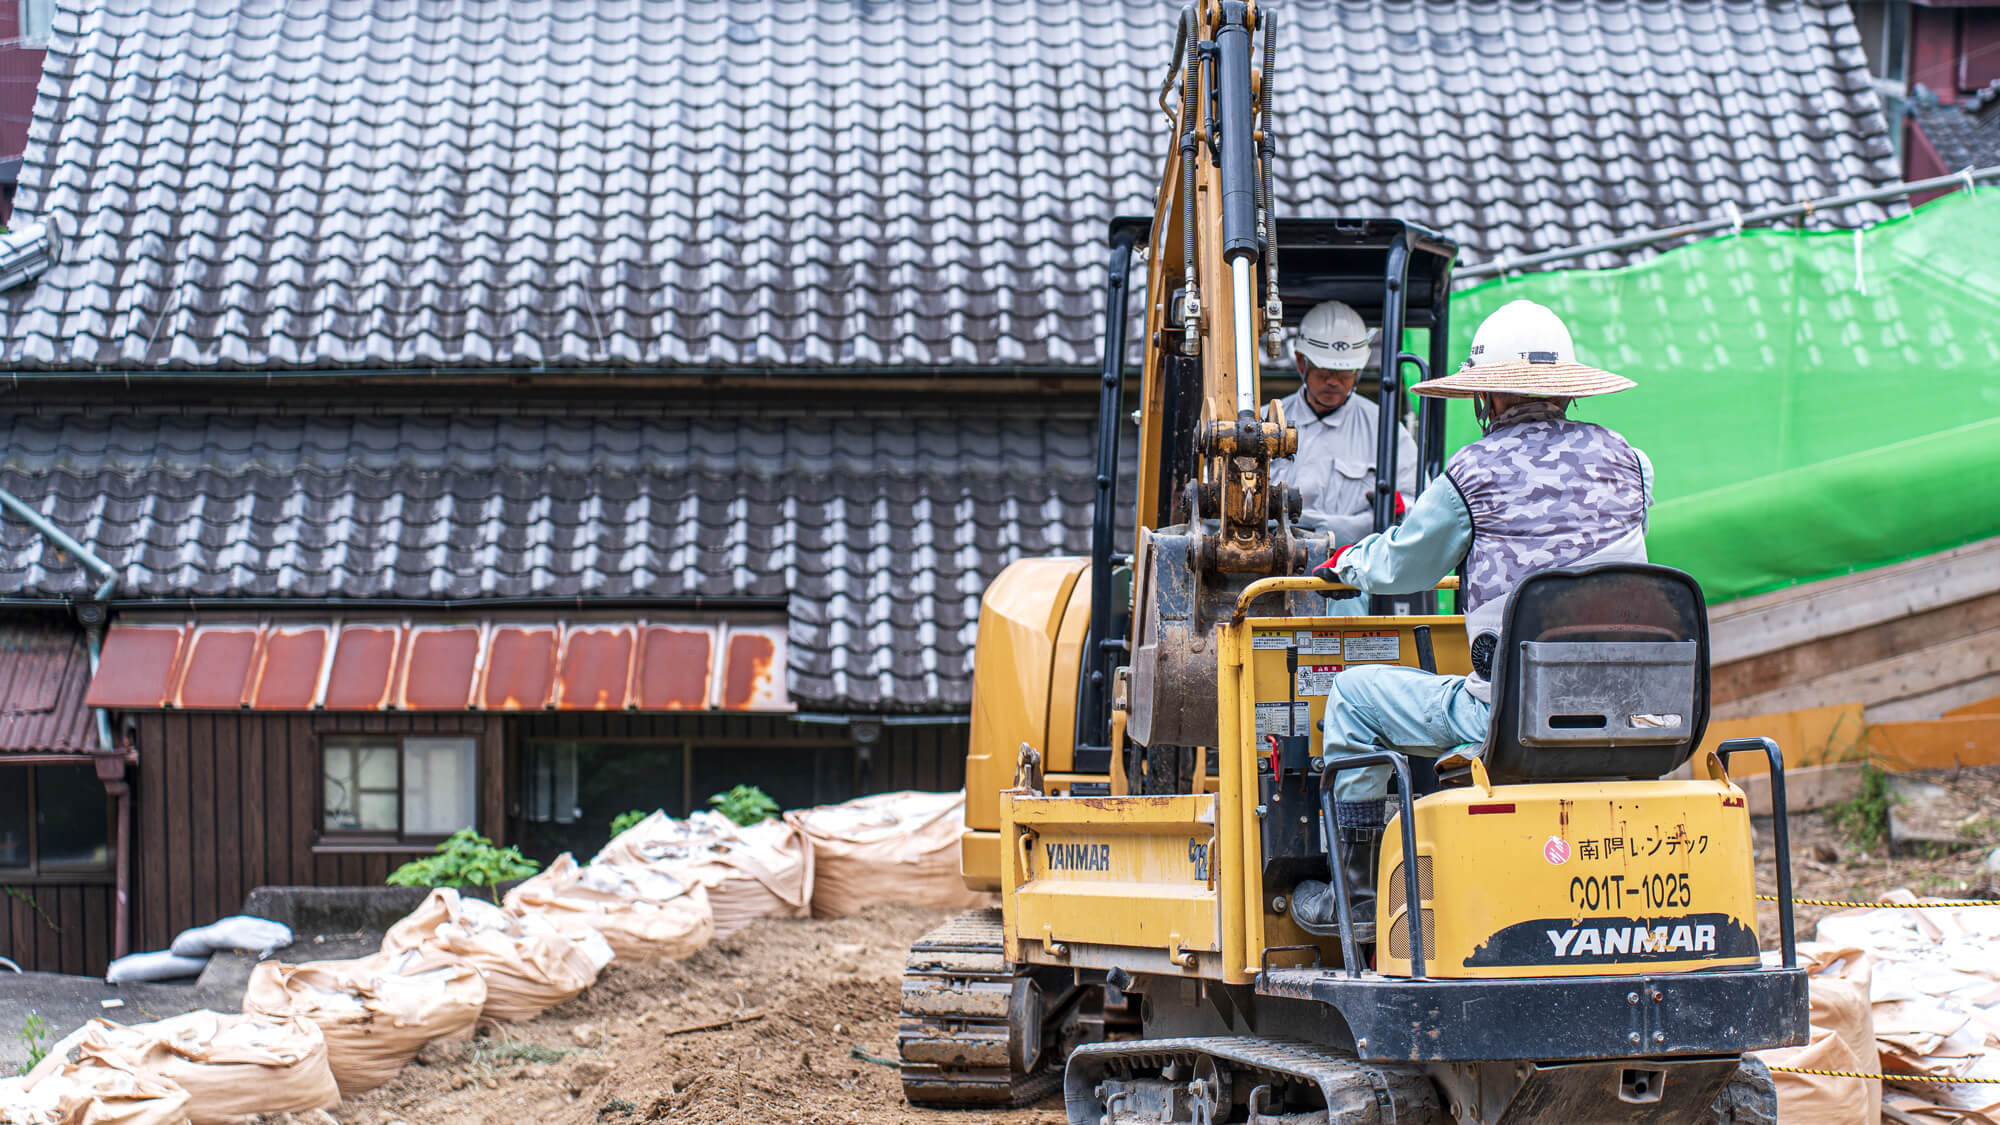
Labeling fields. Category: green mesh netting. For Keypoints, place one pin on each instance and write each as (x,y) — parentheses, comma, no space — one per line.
(1814,403)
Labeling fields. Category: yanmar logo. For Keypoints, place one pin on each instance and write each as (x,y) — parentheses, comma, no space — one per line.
(1079,857)
(1585,940)
(1602,941)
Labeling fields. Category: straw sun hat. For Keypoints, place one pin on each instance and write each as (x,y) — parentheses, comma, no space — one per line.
(1524,349)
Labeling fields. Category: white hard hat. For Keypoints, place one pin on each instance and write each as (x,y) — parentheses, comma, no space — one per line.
(1523,348)
(1333,337)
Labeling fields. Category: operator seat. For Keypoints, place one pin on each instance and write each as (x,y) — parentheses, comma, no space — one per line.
(1601,674)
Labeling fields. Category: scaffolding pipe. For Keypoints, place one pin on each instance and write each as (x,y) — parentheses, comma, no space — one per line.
(1734,221)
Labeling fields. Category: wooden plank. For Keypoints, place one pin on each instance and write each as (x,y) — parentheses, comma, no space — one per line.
(97,929)
(230,813)
(1809,737)
(251,752)
(1784,618)
(1908,674)
(1938,743)
(492,767)
(1834,654)
(204,904)
(1940,703)
(176,771)
(1988,706)
(69,915)
(304,768)
(149,836)
(21,921)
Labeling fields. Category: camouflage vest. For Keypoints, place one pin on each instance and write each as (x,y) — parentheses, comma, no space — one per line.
(1543,492)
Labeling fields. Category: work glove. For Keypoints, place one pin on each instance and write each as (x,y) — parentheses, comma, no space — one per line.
(1326,571)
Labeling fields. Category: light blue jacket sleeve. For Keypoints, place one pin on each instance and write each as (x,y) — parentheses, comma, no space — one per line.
(1417,553)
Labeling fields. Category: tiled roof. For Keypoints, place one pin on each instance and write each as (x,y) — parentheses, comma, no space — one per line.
(313,184)
(881,530)
(1966,135)
(43,673)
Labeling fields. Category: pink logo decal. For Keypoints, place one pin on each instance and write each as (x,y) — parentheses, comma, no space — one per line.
(1556,851)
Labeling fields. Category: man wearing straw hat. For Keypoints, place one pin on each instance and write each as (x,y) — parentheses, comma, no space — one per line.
(1540,490)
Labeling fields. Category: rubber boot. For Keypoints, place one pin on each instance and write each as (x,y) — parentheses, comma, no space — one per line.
(1357,846)
(1360,846)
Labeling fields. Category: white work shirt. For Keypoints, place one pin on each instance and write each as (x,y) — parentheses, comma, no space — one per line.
(1334,470)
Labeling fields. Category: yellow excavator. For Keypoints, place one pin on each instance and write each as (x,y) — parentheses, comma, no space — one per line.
(1566,933)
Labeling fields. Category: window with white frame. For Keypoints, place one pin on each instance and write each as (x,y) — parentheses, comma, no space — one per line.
(398,787)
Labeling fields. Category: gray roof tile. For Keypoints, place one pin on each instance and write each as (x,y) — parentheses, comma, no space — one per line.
(877,528)
(609,183)
(1965,135)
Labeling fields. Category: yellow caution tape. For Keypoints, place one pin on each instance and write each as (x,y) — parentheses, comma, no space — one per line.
(1882,1077)
(1884,905)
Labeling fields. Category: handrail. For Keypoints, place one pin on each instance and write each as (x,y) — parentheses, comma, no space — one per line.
(1290,582)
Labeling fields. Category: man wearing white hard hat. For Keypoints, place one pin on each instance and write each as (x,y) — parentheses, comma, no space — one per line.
(1538,491)
(1334,469)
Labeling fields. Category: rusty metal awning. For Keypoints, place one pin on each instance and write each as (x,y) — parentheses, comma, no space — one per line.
(410,663)
(43,671)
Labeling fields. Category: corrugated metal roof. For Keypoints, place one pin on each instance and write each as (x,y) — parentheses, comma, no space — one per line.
(879,531)
(44,670)
(311,184)
(424,662)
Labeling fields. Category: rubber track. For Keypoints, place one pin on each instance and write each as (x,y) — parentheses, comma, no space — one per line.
(955,1040)
(1350,1091)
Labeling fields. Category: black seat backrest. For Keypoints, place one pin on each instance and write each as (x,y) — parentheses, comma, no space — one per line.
(1601,674)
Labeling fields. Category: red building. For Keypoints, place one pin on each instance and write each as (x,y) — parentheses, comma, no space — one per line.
(24,37)
(1937,65)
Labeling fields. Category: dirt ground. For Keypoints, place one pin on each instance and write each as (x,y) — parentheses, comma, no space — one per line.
(1830,861)
(805,995)
(768,1025)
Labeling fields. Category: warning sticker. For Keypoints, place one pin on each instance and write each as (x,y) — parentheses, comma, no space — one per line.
(1272,719)
(1279,641)
(1319,642)
(1374,646)
(1316,679)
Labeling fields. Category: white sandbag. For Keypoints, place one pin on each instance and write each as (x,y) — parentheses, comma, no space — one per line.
(239,932)
(231,1066)
(376,1012)
(890,847)
(761,871)
(528,964)
(159,965)
(645,915)
(92,1095)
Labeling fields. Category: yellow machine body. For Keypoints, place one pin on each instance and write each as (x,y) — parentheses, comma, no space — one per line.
(1032,621)
(1539,880)
(1574,879)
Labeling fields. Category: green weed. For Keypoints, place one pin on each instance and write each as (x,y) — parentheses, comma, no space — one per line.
(1865,818)
(467,859)
(745,804)
(35,1033)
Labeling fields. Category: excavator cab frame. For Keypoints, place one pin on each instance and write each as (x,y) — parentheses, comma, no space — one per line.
(1397,276)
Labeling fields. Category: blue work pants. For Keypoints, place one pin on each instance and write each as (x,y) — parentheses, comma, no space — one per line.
(1389,707)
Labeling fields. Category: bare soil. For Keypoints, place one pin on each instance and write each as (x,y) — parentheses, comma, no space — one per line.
(656,1043)
(1831,861)
(769,1025)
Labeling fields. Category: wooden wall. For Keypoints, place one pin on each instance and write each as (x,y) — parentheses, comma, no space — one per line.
(1909,641)
(227,801)
(56,928)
